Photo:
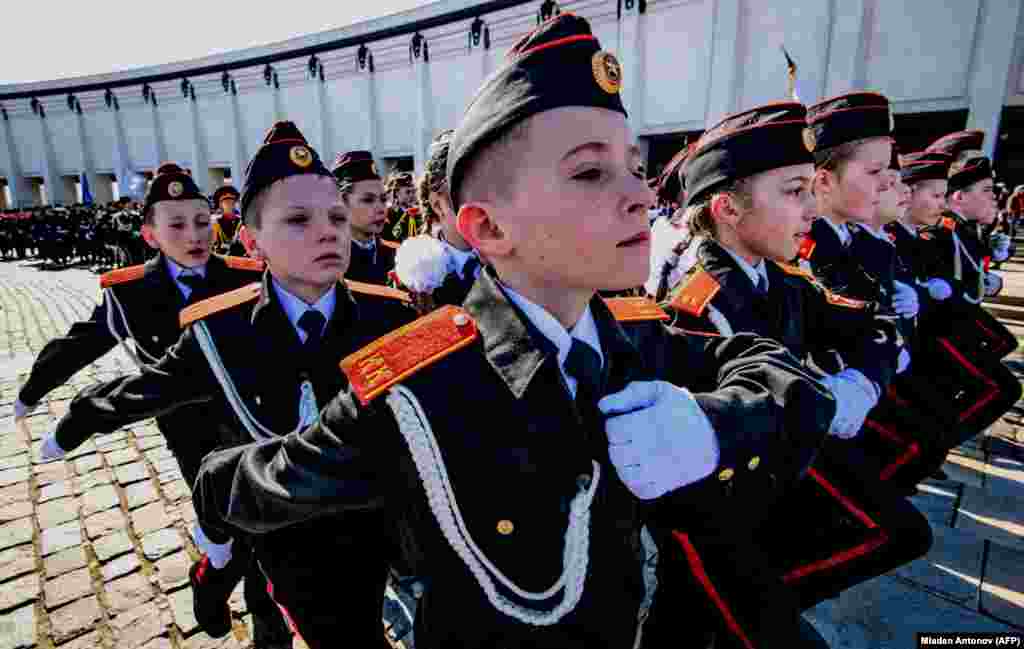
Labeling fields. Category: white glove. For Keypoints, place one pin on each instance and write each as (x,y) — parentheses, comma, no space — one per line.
(51,450)
(939,289)
(905,301)
(903,361)
(993,284)
(1000,246)
(20,409)
(422,262)
(855,396)
(659,439)
(219,553)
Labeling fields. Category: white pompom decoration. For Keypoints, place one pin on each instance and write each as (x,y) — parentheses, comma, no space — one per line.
(422,262)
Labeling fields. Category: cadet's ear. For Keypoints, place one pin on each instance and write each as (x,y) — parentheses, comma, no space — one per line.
(481,232)
(724,209)
(149,237)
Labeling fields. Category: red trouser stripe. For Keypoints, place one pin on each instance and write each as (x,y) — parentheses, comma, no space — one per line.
(970,367)
(284,612)
(697,566)
(913,449)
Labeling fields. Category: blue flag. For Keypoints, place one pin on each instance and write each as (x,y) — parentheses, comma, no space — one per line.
(86,194)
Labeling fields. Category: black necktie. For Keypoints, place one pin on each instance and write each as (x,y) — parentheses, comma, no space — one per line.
(761,288)
(584,364)
(469,270)
(312,322)
(193,281)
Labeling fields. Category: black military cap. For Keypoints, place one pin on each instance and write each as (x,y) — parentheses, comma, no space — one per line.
(284,153)
(747,143)
(227,191)
(924,165)
(847,118)
(968,164)
(354,166)
(558,64)
(670,183)
(171,183)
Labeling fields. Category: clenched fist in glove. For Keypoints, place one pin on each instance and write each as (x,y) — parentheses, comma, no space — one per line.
(659,439)
(993,284)
(51,450)
(905,301)
(855,397)
(938,289)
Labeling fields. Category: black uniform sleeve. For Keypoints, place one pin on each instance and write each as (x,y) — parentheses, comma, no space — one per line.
(62,357)
(766,409)
(344,462)
(181,378)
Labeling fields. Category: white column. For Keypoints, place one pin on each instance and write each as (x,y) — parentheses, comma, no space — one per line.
(370,110)
(724,75)
(326,131)
(424,113)
(20,193)
(847,55)
(159,140)
(631,53)
(199,164)
(88,163)
(124,167)
(239,157)
(51,172)
(991,67)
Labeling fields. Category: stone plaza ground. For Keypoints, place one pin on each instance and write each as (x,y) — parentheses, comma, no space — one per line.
(94,550)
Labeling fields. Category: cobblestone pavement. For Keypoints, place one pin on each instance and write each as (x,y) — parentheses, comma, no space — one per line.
(94,551)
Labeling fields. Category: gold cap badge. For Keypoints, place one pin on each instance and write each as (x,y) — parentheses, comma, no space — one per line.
(301,156)
(607,72)
(175,189)
(810,139)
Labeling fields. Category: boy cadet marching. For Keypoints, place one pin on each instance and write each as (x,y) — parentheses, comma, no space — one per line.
(227,225)
(141,303)
(260,361)
(362,191)
(526,529)
(747,213)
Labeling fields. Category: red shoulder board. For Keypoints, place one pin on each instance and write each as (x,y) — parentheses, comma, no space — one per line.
(849,303)
(634,309)
(892,237)
(695,296)
(244,263)
(949,223)
(389,360)
(122,275)
(376,289)
(986,262)
(927,236)
(389,244)
(806,249)
(221,302)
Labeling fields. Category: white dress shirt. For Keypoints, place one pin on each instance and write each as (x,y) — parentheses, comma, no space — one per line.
(294,306)
(177,270)
(840,229)
(585,330)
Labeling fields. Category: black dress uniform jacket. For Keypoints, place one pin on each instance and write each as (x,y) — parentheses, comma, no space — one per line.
(151,305)
(371,266)
(267,363)
(839,267)
(947,255)
(517,449)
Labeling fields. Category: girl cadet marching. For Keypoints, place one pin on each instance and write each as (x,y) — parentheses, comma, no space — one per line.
(362,191)
(260,361)
(747,213)
(537,427)
(141,303)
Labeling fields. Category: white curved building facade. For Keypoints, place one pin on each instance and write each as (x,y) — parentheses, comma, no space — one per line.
(945,64)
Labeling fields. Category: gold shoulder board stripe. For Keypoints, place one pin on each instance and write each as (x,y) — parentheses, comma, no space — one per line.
(697,294)
(376,289)
(244,263)
(374,369)
(200,310)
(634,309)
(122,275)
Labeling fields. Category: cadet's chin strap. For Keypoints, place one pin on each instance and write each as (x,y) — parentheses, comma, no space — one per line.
(426,453)
(113,303)
(308,411)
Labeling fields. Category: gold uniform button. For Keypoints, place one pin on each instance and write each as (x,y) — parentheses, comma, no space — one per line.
(726,474)
(505,527)
(754,463)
